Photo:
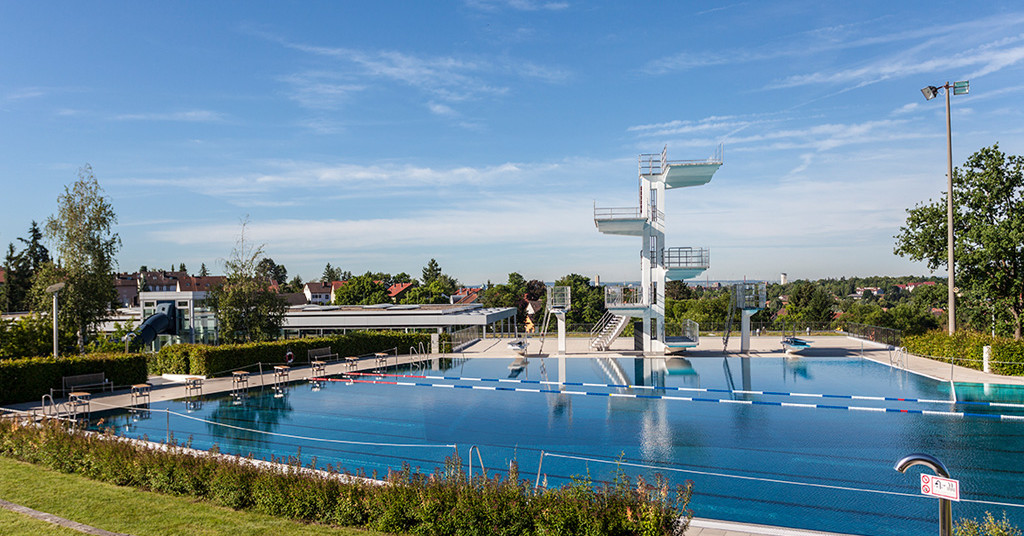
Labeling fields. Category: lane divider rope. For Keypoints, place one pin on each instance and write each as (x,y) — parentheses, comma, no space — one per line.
(763,479)
(697,389)
(994,416)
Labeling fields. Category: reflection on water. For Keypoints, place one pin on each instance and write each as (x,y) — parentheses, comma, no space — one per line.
(260,410)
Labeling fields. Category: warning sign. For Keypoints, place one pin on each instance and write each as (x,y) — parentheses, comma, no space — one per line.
(943,488)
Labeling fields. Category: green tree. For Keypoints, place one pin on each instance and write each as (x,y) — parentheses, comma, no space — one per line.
(587,300)
(366,289)
(82,231)
(269,270)
(21,268)
(988,226)
(431,272)
(203,272)
(330,274)
(32,336)
(809,303)
(245,308)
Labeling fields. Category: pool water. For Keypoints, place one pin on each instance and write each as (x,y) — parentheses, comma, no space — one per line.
(811,468)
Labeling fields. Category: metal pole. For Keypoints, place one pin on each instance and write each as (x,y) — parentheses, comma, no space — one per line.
(949,215)
(945,506)
(54,326)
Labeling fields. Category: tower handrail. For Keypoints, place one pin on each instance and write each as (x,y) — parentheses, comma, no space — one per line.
(599,326)
(686,257)
(618,295)
(617,213)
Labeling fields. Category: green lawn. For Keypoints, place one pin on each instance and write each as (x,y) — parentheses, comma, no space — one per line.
(121,509)
(15,524)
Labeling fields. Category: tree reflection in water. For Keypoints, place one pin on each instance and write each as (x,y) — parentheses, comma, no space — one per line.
(259,410)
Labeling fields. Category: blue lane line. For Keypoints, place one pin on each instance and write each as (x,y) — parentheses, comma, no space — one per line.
(700,399)
(730,391)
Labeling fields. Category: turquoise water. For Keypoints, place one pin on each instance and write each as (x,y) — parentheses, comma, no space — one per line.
(743,459)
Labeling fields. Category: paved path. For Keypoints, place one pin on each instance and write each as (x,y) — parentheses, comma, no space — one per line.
(56,520)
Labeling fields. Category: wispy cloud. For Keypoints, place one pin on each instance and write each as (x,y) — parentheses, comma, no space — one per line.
(845,37)
(983,60)
(24,93)
(193,116)
(517,5)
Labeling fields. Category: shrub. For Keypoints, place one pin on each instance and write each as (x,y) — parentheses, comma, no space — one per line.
(441,503)
(22,380)
(205,360)
(964,348)
(987,527)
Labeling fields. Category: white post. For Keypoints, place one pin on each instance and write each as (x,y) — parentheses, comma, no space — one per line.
(986,355)
(55,325)
(561,332)
(745,330)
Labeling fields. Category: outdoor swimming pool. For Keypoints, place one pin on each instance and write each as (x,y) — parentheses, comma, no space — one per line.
(814,468)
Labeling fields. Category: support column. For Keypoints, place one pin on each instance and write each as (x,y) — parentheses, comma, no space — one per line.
(561,332)
(745,330)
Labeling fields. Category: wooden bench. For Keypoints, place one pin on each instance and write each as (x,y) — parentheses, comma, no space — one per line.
(321,354)
(86,381)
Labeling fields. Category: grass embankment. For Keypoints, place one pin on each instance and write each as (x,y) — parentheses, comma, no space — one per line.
(127,510)
(15,524)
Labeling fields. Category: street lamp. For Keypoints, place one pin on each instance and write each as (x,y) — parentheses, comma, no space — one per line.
(930,92)
(54,289)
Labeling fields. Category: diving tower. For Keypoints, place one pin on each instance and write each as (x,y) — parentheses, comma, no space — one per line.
(658,264)
(748,298)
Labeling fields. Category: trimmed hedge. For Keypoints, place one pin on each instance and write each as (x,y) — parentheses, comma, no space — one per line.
(206,360)
(441,503)
(965,349)
(27,379)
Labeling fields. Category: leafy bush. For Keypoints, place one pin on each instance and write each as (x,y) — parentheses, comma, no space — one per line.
(444,502)
(205,360)
(964,348)
(22,380)
(988,527)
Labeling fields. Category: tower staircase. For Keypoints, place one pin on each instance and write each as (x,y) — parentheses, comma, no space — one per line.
(607,329)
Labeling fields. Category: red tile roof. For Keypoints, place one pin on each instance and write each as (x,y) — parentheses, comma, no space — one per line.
(398,288)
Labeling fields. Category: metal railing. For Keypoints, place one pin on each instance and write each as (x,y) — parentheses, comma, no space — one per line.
(686,258)
(559,297)
(888,336)
(618,296)
(691,330)
(750,295)
(653,163)
(617,213)
(656,163)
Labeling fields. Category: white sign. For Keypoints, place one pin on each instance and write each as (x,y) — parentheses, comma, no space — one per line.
(943,488)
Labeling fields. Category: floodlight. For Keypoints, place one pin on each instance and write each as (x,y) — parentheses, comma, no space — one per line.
(930,92)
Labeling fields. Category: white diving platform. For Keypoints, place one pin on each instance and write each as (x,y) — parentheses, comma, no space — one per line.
(685,263)
(795,344)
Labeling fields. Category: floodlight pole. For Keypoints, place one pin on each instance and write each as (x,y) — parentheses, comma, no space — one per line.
(54,289)
(930,92)
(949,217)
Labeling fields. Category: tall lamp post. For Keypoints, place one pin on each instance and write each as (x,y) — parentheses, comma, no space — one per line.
(930,92)
(54,289)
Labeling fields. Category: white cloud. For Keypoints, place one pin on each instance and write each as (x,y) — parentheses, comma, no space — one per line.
(518,5)
(195,116)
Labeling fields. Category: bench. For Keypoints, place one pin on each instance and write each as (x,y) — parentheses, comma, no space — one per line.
(86,381)
(321,354)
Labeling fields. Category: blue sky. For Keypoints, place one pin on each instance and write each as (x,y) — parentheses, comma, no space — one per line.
(377,135)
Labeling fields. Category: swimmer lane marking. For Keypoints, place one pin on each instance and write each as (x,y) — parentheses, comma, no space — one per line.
(693,389)
(680,398)
(290,436)
(762,479)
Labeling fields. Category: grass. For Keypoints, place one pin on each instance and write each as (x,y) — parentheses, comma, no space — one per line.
(15,524)
(122,509)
